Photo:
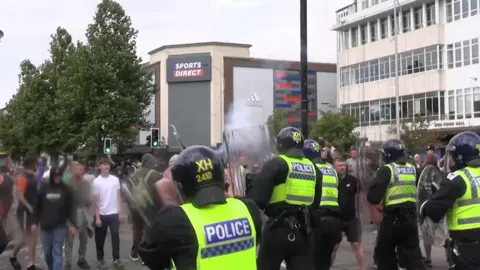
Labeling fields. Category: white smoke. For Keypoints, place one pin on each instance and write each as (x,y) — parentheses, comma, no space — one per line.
(244,133)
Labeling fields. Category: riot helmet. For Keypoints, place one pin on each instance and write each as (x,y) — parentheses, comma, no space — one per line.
(461,149)
(200,174)
(311,149)
(289,138)
(393,150)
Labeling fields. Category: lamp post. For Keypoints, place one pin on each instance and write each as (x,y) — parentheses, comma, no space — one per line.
(304,66)
(397,88)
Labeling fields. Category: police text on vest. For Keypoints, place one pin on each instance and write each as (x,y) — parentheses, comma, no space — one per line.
(302,168)
(227,231)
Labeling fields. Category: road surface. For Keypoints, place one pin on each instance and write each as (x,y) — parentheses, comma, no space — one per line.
(345,259)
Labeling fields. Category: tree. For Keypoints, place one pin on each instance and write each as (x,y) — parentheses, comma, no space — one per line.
(277,121)
(336,128)
(416,134)
(111,91)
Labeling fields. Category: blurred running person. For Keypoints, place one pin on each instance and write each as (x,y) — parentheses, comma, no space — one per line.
(81,185)
(27,194)
(108,215)
(55,214)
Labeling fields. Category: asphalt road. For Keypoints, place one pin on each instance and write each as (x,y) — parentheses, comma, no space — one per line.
(345,259)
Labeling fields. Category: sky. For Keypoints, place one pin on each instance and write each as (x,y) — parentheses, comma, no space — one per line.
(272,27)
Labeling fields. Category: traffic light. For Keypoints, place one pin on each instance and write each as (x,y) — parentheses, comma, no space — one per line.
(107,146)
(155,137)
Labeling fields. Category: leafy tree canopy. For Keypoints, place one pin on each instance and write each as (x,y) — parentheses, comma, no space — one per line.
(416,135)
(277,121)
(82,92)
(336,128)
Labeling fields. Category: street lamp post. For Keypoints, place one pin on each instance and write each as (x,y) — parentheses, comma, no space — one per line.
(397,88)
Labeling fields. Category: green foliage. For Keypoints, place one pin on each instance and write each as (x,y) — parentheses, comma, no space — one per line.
(82,93)
(277,121)
(416,135)
(336,128)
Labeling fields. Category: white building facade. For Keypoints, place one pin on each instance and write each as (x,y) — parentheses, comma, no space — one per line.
(438,63)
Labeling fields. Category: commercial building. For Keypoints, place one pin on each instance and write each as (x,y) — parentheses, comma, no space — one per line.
(438,63)
(198,84)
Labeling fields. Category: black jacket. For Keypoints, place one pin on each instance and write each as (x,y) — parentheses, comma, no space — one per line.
(55,206)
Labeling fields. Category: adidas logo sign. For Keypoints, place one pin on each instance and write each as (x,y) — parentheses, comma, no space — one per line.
(254,101)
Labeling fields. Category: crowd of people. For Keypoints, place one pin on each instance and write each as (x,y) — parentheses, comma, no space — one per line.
(296,208)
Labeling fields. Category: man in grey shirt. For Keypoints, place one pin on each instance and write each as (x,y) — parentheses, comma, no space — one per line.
(82,189)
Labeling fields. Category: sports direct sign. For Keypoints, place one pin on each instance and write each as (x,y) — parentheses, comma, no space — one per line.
(189,68)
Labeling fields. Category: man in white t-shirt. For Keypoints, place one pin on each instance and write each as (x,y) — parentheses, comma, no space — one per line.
(108,214)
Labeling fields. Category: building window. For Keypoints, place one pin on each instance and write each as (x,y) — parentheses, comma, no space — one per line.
(419,60)
(465,9)
(346,40)
(449,11)
(383,28)
(431,59)
(450,56)
(466,53)
(363,34)
(473,7)
(407,63)
(451,105)
(374,2)
(393,26)
(406,21)
(418,16)
(364,4)
(431,14)
(460,104)
(468,103)
(384,68)
(354,37)
(458,54)
(476,102)
(373,31)
(373,70)
(475,51)
(457,12)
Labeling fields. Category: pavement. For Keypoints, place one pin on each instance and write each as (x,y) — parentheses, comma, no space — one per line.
(345,259)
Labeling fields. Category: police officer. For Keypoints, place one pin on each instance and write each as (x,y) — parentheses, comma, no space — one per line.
(209,231)
(458,199)
(327,232)
(392,196)
(286,187)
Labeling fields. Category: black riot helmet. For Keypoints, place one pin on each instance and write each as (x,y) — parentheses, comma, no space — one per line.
(393,150)
(200,173)
(461,149)
(289,138)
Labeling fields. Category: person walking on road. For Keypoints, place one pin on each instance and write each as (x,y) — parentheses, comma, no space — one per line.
(108,214)
(54,211)
(83,200)
(27,194)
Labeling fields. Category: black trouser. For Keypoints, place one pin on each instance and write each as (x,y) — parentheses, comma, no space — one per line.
(276,247)
(138,226)
(3,238)
(326,237)
(468,258)
(112,222)
(401,234)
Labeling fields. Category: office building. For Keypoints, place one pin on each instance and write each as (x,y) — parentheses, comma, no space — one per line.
(438,64)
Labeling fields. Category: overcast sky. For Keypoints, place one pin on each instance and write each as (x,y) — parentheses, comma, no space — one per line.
(271,26)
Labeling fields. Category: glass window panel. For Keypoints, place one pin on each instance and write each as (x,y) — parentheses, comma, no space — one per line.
(363,34)
(373,31)
(465,9)
(354,37)
(468,103)
(450,58)
(373,68)
(473,7)
(430,14)
(476,102)
(451,107)
(449,10)
(418,18)
(475,51)
(406,21)
(458,54)
(418,60)
(383,28)
(456,10)
(466,53)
